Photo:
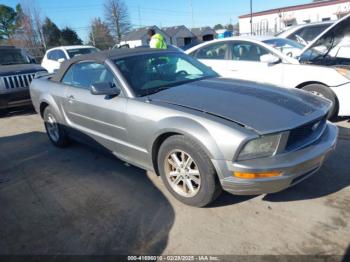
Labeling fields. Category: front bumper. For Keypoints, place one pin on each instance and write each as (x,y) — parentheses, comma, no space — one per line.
(14,99)
(295,166)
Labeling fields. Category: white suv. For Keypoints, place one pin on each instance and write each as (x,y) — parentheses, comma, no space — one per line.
(55,56)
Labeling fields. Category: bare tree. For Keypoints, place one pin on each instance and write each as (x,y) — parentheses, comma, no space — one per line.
(117,17)
(30,27)
(100,35)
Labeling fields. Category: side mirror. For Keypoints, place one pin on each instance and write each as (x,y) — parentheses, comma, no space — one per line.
(61,60)
(270,59)
(104,88)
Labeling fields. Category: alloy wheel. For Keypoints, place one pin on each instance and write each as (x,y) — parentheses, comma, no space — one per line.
(52,127)
(182,173)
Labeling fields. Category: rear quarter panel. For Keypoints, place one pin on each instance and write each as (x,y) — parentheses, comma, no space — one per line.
(43,90)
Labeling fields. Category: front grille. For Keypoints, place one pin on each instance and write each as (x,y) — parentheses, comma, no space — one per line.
(17,81)
(306,134)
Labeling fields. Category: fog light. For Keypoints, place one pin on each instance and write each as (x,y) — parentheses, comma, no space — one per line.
(245,175)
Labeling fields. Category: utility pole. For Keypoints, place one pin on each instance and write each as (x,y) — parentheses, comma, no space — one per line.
(191,6)
(251,17)
(140,24)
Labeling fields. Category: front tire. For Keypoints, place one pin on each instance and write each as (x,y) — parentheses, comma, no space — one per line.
(324,91)
(54,130)
(187,171)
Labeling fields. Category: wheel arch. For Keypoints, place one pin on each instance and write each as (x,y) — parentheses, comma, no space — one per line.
(301,85)
(189,128)
(43,106)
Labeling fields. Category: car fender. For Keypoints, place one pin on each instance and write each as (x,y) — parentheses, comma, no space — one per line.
(309,73)
(189,128)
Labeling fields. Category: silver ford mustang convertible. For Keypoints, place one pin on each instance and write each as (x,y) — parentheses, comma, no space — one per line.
(168,113)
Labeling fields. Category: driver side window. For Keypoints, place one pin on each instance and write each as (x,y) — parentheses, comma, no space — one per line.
(84,75)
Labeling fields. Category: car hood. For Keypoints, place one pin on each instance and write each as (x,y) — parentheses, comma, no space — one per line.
(6,70)
(266,109)
(340,29)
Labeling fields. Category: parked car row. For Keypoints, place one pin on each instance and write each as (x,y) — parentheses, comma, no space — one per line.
(322,67)
(201,131)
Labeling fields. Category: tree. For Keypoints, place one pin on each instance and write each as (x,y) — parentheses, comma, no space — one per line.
(229,27)
(218,27)
(117,17)
(100,36)
(7,21)
(51,32)
(69,37)
(29,29)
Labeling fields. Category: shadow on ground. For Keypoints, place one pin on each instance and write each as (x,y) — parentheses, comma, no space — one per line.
(24,110)
(76,201)
(332,177)
(346,257)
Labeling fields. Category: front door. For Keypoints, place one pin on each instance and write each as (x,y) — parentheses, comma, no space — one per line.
(100,117)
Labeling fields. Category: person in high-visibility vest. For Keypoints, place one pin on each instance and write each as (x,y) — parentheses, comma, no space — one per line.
(156,40)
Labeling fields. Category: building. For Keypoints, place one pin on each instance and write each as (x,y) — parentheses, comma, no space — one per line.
(204,33)
(139,37)
(272,21)
(180,36)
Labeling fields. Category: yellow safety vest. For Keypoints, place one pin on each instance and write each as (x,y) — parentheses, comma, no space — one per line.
(157,41)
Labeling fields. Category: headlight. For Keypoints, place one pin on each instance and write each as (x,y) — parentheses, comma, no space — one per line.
(264,146)
(343,71)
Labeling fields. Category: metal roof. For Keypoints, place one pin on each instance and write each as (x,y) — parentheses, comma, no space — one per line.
(139,33)
(173,30)
(200,31)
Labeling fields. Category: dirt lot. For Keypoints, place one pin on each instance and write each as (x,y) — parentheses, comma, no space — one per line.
(82,201)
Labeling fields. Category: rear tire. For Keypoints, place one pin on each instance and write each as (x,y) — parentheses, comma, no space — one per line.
(54,130)
(326,92)
(191,178)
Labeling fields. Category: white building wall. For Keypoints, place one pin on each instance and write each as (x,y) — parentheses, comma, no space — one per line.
(270,24)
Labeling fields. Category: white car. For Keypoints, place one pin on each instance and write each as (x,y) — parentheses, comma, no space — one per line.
(55,56)
(304,33)
(251,59)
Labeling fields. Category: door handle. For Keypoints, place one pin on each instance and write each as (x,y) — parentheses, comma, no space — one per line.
(70,98)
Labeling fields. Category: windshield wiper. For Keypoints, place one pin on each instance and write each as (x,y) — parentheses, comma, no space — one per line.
(167,86)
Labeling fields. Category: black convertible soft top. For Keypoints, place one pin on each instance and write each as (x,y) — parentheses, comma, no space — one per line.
(102,56)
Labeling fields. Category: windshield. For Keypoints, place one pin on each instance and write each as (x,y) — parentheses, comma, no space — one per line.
(80,51)
(330,45)
(13,57)
(281,43)
(148,74)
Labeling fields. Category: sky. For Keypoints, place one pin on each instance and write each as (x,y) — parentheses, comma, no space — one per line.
(78,14)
